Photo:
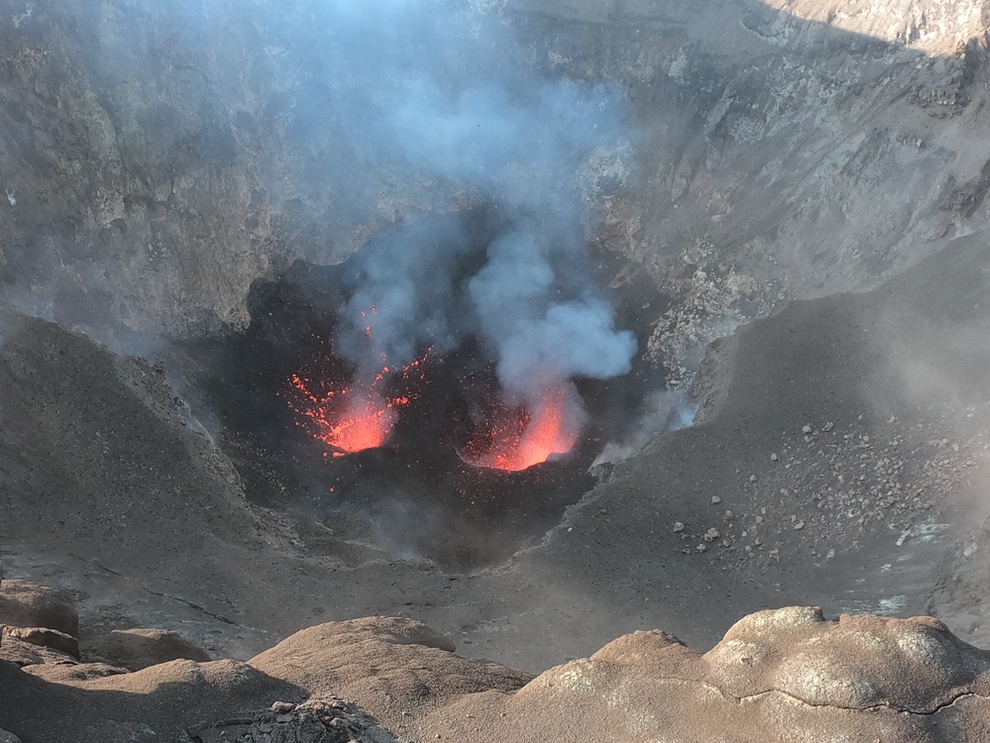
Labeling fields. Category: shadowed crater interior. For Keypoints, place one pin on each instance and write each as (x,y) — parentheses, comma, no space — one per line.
(420,493)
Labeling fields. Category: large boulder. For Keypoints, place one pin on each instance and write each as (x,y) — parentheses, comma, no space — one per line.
(135,649)
(45,638)
(777,677)
(24,604)
(33,655)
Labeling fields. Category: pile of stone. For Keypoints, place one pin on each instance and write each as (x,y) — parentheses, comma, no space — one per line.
(327,720)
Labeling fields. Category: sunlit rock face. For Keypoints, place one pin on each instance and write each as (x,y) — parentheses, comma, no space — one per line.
(936,28)
(778,676)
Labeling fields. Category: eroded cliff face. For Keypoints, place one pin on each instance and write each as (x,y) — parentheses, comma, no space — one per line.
(156,161)
(790,150)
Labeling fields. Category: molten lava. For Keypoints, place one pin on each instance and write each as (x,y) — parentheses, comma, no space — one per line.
(351,419)
(520,437)
(345,421)
(364,424)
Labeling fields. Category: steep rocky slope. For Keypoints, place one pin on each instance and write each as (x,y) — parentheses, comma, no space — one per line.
(823,469)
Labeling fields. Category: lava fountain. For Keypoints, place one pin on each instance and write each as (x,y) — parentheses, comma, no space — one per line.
(345,420)
(351,419)
(517,437)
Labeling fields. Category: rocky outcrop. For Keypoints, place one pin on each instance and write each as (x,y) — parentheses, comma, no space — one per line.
(44,638)
(938,28)
(777,676)
(36,655)
(135,649)
(41,627)
(24,604)
(36,615)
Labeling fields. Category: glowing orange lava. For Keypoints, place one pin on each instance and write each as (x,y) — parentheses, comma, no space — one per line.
(365,424)
(351,419)
(344,421)
(520,438)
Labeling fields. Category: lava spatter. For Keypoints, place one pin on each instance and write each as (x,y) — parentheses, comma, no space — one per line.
(518,437)
(352,418)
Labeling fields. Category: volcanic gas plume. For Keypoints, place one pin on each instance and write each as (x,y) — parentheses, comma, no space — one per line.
(525,296)
(443,287)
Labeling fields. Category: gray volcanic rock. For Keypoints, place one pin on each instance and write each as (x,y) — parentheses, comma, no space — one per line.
(390,665)
(783,675)
(313,721)
(34,654)
(788,150)
(915,665)
(156,159)
(149,179)
(163,701)
(44,637)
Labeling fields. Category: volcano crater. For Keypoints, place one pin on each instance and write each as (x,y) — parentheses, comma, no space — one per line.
(420,491)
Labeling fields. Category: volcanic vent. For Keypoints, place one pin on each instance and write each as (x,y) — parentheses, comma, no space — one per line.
(450,383)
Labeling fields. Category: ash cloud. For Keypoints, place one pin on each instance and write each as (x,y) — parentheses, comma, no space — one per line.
(253,125)
(445,95)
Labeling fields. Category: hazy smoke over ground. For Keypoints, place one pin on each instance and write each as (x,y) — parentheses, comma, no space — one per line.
(430,93)
(253,133)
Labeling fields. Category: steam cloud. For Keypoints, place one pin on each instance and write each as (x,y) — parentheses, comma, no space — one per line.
(433,95)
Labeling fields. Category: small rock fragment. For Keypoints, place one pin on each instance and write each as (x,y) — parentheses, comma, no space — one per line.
(798,526)
(45,638)
(716,500)
(678,527)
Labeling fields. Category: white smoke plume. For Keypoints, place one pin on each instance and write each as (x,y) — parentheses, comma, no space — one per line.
(439,99)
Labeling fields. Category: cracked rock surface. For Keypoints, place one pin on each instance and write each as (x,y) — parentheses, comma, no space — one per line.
(778,676)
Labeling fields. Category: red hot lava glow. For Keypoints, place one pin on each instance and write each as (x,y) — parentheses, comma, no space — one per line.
(350,420)
(345,422)
(519,438)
